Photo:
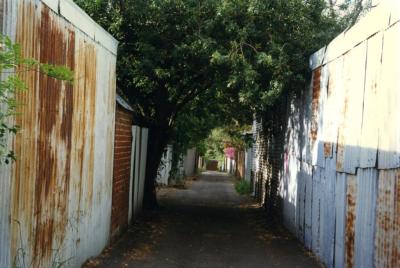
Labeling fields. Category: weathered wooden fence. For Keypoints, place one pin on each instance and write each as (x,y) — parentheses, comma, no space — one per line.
(341,176)
(55,203)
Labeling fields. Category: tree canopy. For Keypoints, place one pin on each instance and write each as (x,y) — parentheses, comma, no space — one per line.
(187,66)
(171,51)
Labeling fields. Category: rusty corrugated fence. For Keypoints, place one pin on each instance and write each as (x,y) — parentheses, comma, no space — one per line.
(340,187)
(57,195)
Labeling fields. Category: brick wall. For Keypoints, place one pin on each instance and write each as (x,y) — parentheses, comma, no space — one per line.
(121,174)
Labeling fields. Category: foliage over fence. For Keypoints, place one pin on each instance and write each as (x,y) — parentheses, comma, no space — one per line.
(187,66)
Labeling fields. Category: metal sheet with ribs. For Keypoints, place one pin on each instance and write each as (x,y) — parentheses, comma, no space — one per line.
(60,187)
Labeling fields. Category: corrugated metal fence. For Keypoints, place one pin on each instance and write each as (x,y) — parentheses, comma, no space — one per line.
(341,175)
(56,198)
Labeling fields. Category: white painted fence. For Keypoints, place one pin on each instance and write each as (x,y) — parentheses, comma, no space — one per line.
(138,171)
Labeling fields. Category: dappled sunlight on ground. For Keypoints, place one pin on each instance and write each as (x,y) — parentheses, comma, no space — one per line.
(207,224)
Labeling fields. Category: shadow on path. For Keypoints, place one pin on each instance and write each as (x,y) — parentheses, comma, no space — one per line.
(206,225)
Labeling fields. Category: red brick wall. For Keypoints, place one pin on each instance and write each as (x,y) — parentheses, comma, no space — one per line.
(121,173)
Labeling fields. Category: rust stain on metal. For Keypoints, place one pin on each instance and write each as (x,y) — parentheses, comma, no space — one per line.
(66,125)
(341,143)
(395,261)
(42,172)
(316,90)
(90,78)
(388,219)
(351,197)
(327,149)
(24,143)
(340,151)
(91,65)
(54,135)
(53,185)
(112,82)
(84,121)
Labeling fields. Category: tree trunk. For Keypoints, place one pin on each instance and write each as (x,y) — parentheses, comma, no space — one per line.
(158,139)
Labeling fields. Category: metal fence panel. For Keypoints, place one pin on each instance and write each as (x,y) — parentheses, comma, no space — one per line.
(340,215)
(316,210)
(365,217)
(308,206)
(370,128)
(60,190)
(350,129)
(387,234)
(347,135)
(388,101)
(327,233)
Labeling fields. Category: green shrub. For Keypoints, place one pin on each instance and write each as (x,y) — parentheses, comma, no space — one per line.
(242,187)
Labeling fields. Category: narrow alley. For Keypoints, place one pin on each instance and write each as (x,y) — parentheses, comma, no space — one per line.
(110,110)
(205,225)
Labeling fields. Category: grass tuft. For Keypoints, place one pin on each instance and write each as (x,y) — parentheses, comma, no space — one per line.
(242,187)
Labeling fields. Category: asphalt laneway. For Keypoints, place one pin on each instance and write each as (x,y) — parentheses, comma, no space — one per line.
(206,225)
